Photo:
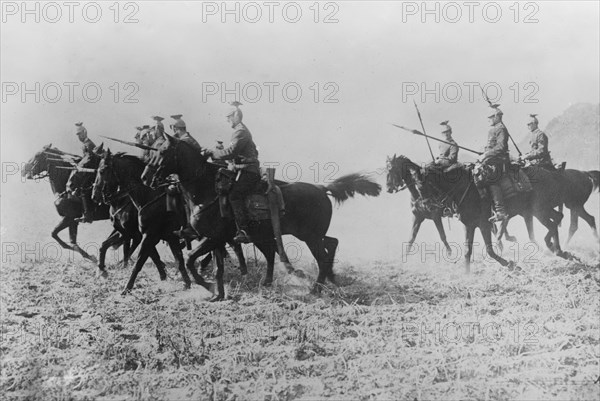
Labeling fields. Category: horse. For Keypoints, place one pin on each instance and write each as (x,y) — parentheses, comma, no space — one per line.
(119,174)
(123,214)
(51,161)
(308,209)
(576,187)
(421,208)
(474,211)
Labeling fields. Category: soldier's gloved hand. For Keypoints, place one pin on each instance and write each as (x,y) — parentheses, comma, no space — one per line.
(207,152)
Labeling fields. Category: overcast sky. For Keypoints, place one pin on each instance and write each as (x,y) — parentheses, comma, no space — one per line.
(371,61)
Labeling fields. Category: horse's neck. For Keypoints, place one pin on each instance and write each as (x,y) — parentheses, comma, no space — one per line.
(140,195)
(198,189)
(58,178)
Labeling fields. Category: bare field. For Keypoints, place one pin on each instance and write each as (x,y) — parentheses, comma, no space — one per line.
(413,328)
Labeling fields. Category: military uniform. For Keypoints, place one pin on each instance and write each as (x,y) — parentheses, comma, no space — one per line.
(87,146)
(448,153)
(242,151)
(539,153)
(496,158)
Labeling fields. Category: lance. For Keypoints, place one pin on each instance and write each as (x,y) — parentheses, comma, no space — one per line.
(79,169)
(422,126)
(66,156)
(495,106)
(414,131)
(137,145)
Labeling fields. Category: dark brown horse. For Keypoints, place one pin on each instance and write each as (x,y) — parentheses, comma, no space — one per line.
(123,213)
(474,212)
(307,215)
(421,210)
(48,163)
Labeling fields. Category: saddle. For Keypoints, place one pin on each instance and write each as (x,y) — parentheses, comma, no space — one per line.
(257,202)
(512,180)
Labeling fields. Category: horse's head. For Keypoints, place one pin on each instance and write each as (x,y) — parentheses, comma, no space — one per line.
(106,181)
(401,172)
(39,162)
(82,176)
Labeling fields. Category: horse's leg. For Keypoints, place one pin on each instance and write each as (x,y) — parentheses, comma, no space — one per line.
(219,255)
(178,254)
(508,237)
(73,225)
(486,233)
(440,227)
(574,225)
(331,245)
(160,265)
(64,223)
(469,236)
(416,224)
(206,245)
(551,225)
(268,249)
(136,238)
(556,218)
(237,248)
(126,250)
(529,224)
(149,241)
(590,220)
(317,248)
(113,239)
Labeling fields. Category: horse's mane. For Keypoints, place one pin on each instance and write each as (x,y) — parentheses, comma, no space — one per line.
(130,158)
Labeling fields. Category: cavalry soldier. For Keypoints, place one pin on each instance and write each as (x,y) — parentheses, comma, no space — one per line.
(81,132)
(538,140)
(86,196)
(495,158)
(242,151)
(180,131)
(448,152)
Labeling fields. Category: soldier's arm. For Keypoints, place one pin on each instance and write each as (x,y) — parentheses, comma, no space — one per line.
(238,141)
(541,146)
(498,148)
(453,153)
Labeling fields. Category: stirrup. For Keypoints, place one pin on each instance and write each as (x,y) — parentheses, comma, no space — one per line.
(242,237)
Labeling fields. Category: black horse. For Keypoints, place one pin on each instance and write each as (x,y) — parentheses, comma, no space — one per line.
(51,162)
(119,175)
(123,213)
(578,186)
(308,209)
(474,212)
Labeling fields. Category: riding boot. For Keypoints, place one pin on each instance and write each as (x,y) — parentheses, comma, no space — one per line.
(241,219)
(87,209)
(498,199)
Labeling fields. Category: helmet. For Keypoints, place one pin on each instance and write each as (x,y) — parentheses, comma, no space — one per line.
(179,123)
(496,111)
(80,129)
(235,111)
(446,127)
(533,119)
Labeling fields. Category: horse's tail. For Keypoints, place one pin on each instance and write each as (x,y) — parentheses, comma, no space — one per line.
(347,186)
(595,177)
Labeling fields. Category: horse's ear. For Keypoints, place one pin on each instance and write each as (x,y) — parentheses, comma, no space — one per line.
(108,152)
(168,139)
(100,148)
(394,157)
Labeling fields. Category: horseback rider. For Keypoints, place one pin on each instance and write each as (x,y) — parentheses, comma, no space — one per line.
(86,195)
(538,140)
(448,152)
(242,151)
(159,128)
(495,158)
(181,133)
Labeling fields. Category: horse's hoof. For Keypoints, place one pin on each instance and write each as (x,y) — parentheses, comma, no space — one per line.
(217,298)
(103,273)
(267,282)
(448,251)
(126,291)
(243,271)
(163,277)
(512,266)
(187,286)
(316,290)
(92,259)
(299,273)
